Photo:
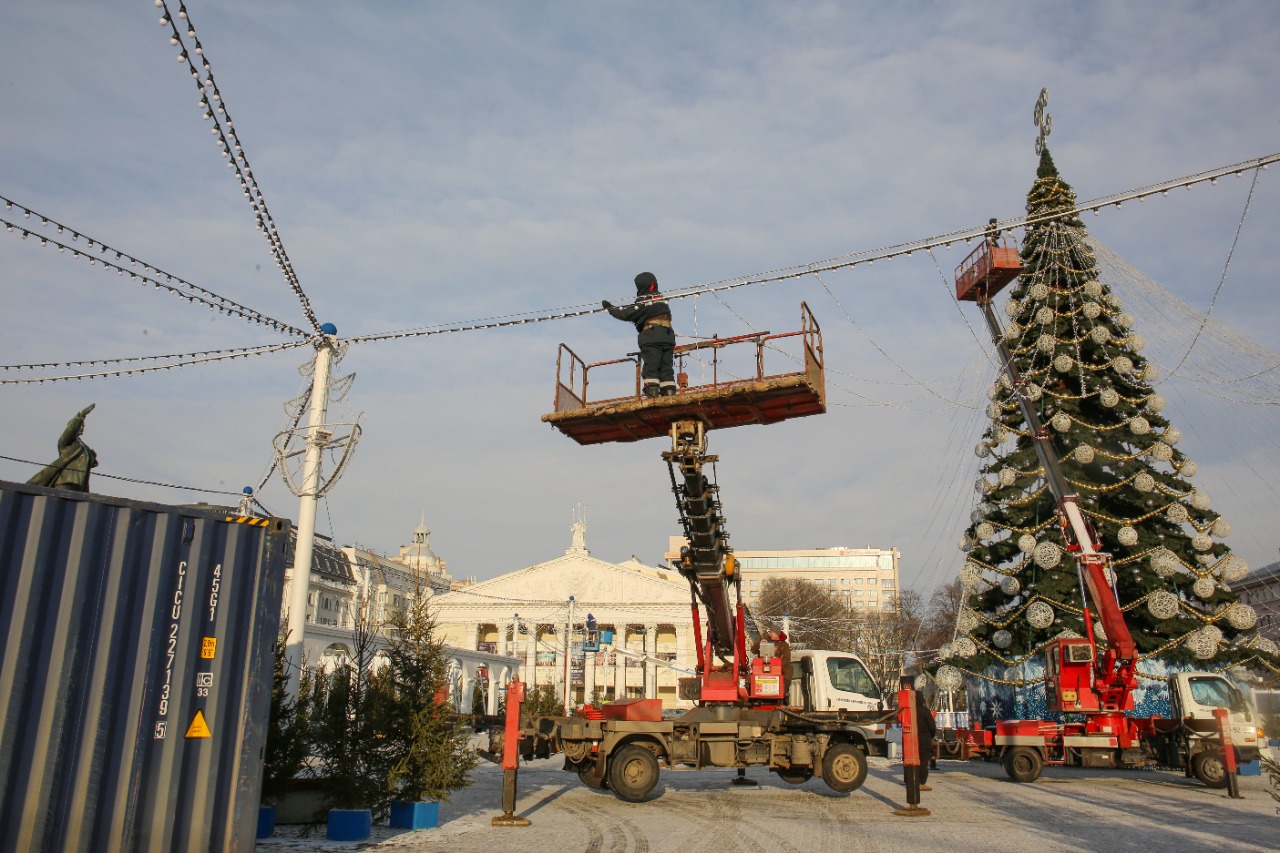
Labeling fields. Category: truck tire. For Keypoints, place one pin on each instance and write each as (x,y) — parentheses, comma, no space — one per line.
(844,768)
(633,773)
(1210,768)
(591,772)
(795,775)
(1023,763)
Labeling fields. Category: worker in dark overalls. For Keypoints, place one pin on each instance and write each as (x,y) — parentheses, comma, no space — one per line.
(652,319)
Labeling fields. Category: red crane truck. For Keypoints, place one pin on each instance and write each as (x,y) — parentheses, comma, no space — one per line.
(1079,681)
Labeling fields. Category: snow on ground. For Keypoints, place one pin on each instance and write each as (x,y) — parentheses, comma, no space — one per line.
(973,805)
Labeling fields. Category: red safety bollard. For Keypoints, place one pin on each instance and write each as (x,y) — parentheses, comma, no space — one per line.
(910,754)
(511,757)
(1228,752)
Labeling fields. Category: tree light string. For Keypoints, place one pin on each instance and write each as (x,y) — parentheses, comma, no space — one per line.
(1235,240)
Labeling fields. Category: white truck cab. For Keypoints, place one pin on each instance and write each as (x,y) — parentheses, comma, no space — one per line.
(1196,695)
(832,681)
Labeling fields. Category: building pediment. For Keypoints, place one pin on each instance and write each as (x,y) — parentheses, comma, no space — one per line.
(586,578)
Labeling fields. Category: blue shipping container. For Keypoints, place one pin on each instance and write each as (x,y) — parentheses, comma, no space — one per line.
(136,647)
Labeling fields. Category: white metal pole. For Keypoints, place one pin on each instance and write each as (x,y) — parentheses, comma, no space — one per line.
(568,636)
(300,590)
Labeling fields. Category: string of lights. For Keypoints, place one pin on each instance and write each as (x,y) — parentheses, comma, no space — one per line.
(228,142)
(173,284)
(868,257)
(254,350)
(185,362)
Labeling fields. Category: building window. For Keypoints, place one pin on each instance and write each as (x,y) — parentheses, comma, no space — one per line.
(887,583)
(860,581)
(844,581)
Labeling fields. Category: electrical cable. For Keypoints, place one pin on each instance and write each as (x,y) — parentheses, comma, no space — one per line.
(133,480)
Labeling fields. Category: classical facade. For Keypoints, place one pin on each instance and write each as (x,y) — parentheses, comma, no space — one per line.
(541,614)
(861,577)
(344,579)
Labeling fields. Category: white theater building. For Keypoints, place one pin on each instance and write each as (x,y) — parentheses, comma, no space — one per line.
(345,579)
(540,614)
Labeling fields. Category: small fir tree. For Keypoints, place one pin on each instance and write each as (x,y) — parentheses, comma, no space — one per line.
(1081,359)
(542,700)
(427,740)
(350,725)
(289,733)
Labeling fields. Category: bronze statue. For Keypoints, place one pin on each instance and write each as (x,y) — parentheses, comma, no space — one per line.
(71,469)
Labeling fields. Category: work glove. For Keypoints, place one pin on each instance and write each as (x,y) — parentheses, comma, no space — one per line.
(606,303)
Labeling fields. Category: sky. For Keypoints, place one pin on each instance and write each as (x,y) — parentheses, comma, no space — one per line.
(436,164)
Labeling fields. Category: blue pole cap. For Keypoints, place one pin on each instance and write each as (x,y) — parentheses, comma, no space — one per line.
(329,329)
(248,490)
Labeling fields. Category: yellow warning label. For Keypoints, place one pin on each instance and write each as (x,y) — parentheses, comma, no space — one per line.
(198,728)
(208,647)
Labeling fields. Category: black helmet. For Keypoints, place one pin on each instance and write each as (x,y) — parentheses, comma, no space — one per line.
(646,283)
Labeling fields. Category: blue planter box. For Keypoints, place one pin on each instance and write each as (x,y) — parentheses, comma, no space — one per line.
(415,815)
(266,821)
(349,824)
(1251,768)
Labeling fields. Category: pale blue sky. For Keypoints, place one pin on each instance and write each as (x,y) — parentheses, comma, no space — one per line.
(436,163)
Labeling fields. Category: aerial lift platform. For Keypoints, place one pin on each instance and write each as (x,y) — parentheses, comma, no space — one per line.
(726,401)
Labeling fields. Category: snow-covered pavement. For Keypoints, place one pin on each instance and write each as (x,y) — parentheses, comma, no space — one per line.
(973,805)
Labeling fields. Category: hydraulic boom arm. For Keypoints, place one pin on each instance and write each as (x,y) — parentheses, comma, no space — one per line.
(703,562)
(1116,675)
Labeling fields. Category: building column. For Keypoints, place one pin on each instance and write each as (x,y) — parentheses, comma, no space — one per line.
(503,628)
(588,676)
(650,667)
(468,678)
(620,666)
(530,656)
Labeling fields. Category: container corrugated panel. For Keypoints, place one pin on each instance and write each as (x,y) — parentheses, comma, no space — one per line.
(136,645)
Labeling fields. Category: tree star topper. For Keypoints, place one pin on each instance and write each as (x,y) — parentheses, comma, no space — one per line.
(1042,119)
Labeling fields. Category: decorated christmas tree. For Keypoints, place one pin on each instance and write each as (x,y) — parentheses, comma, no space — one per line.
(1081,358)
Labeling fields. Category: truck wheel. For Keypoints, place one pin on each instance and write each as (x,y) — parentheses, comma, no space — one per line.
(1023,763)
(633,772)
(1209,768)
(844,767)
(795,775)
(592,774)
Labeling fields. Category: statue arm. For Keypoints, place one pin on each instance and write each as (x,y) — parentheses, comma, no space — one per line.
(75,426)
